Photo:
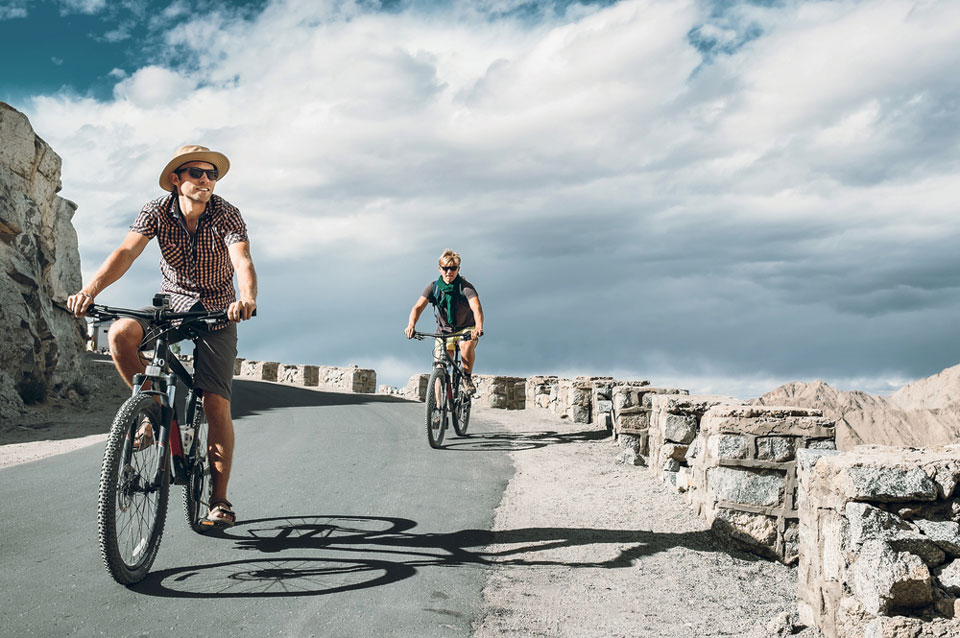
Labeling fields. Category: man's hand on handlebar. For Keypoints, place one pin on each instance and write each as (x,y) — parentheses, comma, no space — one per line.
(409,331)
(475,335)
(241,310)
(79,302)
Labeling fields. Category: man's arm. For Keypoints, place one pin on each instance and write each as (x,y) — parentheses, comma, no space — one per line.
(414,315)
(112,269)
(477,317)
(246,280)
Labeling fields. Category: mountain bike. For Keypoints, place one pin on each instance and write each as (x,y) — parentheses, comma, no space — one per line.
(136,473)
(445,392)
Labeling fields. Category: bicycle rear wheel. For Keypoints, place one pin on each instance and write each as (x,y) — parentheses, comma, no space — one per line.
(196,493)
(131,508)
(436,407)
(461,411)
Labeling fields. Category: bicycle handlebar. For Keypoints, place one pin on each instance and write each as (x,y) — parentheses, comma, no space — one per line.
(466,336)
(160,315)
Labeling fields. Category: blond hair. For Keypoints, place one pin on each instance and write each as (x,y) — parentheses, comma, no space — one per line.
(449,255)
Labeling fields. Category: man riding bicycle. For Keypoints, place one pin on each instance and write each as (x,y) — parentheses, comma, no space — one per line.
(458,311)
(203,241)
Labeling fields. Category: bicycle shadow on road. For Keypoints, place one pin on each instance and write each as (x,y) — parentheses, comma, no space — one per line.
(307,555)
(511,442)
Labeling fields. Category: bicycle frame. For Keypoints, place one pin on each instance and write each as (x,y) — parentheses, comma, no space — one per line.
(454,367)
(452,364)
(170,436)
(162,373)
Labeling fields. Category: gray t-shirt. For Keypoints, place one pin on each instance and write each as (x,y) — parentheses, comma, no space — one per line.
(464,313)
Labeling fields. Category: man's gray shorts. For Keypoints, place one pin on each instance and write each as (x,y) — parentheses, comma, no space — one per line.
(216,352)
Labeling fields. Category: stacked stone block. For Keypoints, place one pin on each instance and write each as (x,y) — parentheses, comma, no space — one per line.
(743,473)
(574,399)
(631,419)
(602,402)
(508,393)
(542,393)
(674,425)
(301,375)
(880,542)
(350,379)
(261,370)
(416,388)
(237,365)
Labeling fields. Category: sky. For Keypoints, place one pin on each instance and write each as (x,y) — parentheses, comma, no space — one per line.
(715,195)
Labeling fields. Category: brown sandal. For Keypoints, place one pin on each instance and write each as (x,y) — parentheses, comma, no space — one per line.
(220,515)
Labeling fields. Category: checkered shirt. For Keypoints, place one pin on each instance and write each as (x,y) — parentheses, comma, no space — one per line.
(194,267)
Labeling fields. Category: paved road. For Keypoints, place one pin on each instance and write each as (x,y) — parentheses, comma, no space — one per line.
(350,526)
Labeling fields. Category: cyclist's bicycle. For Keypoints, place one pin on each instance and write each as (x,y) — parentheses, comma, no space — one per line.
(136,471)
(446,395)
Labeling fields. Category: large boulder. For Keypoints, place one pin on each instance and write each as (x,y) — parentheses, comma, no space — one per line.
(41,265)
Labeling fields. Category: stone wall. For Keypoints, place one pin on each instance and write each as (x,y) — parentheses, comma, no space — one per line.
(350,379)
(41,266)
(631,419)
(259,370)
(542,393)
(416,388)
(582,400)
(880,542)
(674,426)
(743,473)
(574,399)
(508,393)
(302,375)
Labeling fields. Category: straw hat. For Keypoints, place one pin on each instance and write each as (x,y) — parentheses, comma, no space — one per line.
(193,153)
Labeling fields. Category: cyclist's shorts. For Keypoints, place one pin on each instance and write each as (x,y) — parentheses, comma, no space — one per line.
(451,343)
(216,352)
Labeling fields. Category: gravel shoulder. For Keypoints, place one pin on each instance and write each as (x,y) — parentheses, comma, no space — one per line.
(607,550)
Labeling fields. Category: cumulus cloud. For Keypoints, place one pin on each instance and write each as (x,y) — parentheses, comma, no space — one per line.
(81,6)
(683,188)
(13,10)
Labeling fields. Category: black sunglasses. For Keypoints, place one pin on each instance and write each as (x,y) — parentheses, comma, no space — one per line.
(194,172)
(449,268)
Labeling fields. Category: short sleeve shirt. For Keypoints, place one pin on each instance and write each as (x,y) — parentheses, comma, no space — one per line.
(465,318)
(195,267)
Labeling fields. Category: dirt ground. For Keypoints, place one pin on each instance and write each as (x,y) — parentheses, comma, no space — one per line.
(62,425)
(621,554)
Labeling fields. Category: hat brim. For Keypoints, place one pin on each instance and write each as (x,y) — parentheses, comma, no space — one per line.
(212,157)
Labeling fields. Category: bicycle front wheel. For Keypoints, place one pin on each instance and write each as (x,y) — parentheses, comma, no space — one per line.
(132,502)
(436,407)
(196,493)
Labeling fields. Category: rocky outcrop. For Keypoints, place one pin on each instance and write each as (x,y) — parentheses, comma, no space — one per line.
(41,264)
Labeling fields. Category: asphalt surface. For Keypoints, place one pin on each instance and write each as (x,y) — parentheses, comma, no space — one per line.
(349,525)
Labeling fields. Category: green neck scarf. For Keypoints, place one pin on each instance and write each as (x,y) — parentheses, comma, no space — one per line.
(447,298)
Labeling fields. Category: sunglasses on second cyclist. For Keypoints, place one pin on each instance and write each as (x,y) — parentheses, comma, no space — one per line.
(449,268)
(194,172)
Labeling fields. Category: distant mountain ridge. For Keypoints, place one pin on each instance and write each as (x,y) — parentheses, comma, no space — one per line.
(920,414)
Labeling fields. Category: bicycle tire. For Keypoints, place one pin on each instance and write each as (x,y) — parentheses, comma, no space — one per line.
(461,414)
(197,491)
(130,520)
(436,412)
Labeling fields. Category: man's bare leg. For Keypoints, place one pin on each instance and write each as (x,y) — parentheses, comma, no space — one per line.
(220,442)
(468,351)
(124,337)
